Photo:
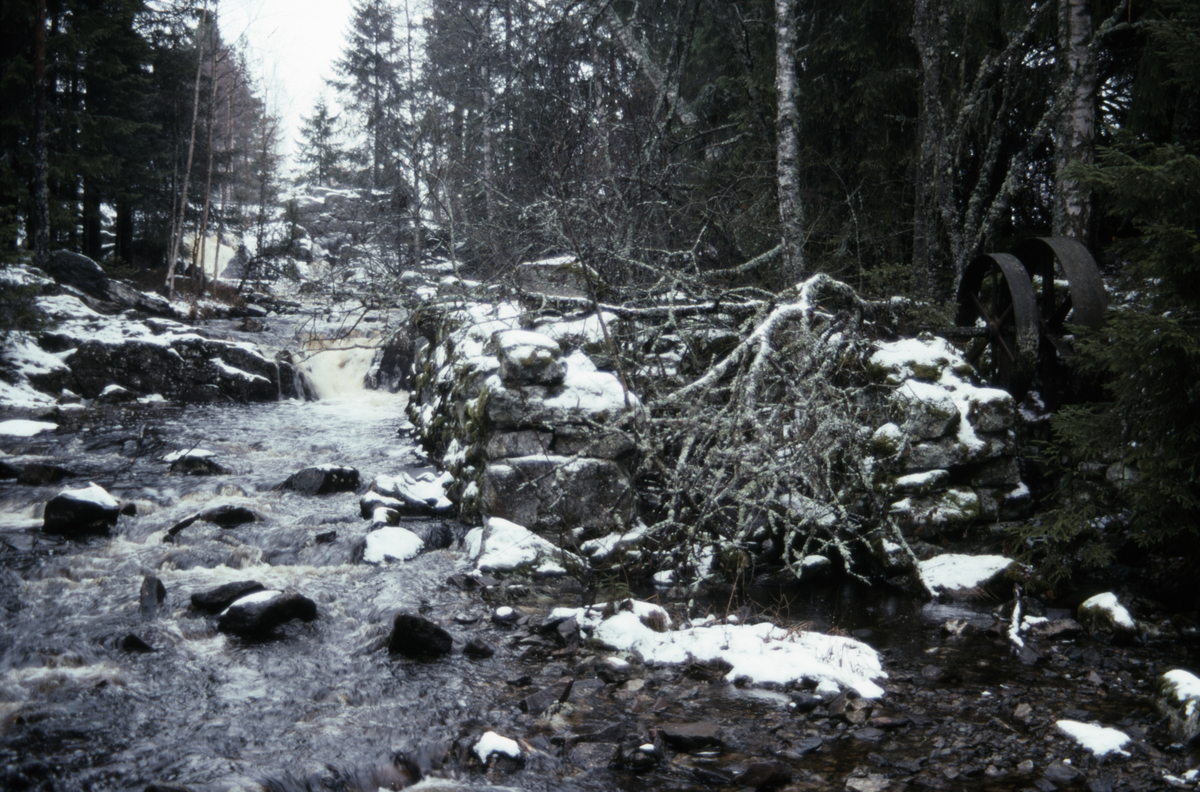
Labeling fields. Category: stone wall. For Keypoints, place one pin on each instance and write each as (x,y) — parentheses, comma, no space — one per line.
(949,455)
(529,427)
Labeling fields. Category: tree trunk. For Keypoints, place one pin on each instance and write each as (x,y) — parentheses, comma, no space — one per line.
(1076,134)
(41,169)
(787,157)
(177,229)
(202,229)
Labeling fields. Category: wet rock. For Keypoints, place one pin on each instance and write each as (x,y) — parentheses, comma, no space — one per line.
(642,758)
(1023,713)
(135,645)
(322,480)
(166,786)
(414,636)
(807,745)
(1060,773)
(803,701)
(765,775)
(220,598)
(868,783)
(8,471)
(540,701)
(592,755)
(192,465)
(478,648)
(328,537)
(257,615)
(436,535)
(226,515)
(1056,629)
(81,511)
(100,292)
(37,474)
(1177,698)
(691,736)
(153,594)
(526,442)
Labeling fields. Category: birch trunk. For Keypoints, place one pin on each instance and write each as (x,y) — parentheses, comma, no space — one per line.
(177,226)
(787,157)
(1076,133)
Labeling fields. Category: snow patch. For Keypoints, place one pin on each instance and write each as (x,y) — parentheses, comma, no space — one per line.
(1097,739)
(393,542)
(952,571)
(24,428)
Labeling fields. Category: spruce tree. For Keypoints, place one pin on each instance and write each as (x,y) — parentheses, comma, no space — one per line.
(319,146)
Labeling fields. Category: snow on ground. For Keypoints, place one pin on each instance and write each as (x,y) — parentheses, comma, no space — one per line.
(951,571)
(392,542)
(24,428)
(1108,602)
(760,653)
(588,329)
(1097,739)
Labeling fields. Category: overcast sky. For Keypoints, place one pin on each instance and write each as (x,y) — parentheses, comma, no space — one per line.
(292,45)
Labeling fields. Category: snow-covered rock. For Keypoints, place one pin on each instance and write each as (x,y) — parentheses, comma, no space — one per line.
(503,546)
(88,509)
(491,744)
(1177,698)
(528,358)
(1104,614)
(950,573)
(391,543)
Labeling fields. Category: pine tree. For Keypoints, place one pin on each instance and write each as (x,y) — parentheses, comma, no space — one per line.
(319,146)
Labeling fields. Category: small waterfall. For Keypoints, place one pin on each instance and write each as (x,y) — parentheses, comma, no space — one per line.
(338,368)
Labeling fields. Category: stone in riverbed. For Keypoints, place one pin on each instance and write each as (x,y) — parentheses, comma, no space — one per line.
(227,515)
(153,594)
(322,480)
(692,736)
(1104,615)
(1177,698)
(413,636)
(257,615)
(540,701)
(220,598)
(765,775)
(39,474)
(81,511)
(478,648)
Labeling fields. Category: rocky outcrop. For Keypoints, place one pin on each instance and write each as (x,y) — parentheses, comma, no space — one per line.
(528,425)
(948,455)
(86,279)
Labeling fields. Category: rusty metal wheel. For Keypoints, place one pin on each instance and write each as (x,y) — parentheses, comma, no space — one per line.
(1070,290)
(995,295)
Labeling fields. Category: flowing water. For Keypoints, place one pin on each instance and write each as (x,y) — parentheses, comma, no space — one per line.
(206,709)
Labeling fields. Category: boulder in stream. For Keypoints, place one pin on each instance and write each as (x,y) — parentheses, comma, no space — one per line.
(86,510)
(414,636)
(220,598)
(153,594)
(322,480)
(1104,615)
(1177,698)
(257,615)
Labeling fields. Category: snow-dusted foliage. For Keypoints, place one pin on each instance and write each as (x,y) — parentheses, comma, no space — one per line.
(764,454)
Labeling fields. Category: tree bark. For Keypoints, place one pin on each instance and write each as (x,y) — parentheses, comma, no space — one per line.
(1075,137)
(41,168)
(177,230)
(787,157)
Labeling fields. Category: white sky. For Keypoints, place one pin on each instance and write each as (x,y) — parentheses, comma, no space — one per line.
(291,45)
